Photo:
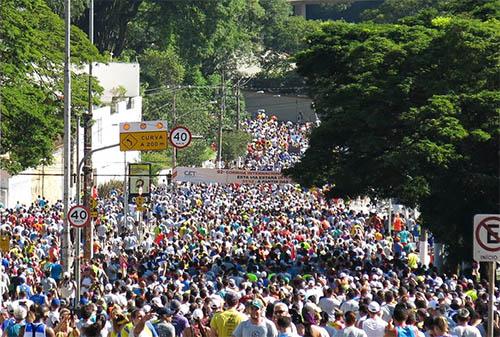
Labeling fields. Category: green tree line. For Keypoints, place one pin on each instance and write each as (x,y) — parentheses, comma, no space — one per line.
(191,45)
(410,109)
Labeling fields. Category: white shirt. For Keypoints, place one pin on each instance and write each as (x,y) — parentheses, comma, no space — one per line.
(466,331)
(328,305)
(374,327)
(351,331)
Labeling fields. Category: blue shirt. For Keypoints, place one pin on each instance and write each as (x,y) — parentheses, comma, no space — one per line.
(38,299)
(56,271)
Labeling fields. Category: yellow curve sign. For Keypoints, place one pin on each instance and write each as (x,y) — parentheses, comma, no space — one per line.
(143,141)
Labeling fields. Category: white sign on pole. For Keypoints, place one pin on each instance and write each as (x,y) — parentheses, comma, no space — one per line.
(487,237)
(79,216)
(180,137)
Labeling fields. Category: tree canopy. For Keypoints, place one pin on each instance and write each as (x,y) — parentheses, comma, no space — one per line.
(31,80)
(408,111)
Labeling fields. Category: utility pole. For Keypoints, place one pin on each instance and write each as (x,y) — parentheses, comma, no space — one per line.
(221,115)
(87,146)
(174,122)
(65,240)
(79,230)
(389,217)
(238,108)
(125,191)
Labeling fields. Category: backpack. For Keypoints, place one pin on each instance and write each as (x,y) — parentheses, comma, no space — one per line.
(13,329)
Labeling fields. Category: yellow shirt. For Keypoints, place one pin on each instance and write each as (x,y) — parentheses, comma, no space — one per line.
(472,293)
(225,322)
(413,260)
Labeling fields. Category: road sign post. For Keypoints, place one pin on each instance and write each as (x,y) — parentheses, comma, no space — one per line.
(143,136)
(180,137)
(139,183)
(487,249)
(79,216)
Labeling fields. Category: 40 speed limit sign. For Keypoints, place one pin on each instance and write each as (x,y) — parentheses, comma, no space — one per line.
(79,216)
(180,137)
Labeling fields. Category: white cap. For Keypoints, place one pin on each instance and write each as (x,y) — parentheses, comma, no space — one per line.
(374,307)
(197,314)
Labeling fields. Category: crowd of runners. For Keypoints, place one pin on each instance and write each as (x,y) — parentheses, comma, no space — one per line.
(234,260)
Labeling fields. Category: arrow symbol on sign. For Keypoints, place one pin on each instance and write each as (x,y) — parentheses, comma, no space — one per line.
(492,235)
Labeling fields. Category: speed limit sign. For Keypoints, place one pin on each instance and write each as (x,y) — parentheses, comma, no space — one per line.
(79,216)
(180,137)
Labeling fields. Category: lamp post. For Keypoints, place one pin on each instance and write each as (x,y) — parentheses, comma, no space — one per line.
(87,144)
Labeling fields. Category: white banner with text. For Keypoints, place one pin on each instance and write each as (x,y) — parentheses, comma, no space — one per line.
(208,176)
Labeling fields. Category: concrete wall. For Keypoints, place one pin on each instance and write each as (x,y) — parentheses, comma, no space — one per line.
(114,75)
(284,107)
(109,164)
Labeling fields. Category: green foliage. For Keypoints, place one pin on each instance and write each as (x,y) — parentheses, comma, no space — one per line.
(234,144)
(77,7)
(408,112)
(31,68)
(193,110)
(159,160)
(111,23)
(392,11)
(161,67)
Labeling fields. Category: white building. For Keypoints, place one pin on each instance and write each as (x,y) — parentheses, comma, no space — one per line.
(121,102)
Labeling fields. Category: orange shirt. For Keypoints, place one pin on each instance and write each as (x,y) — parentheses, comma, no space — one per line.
(397,224)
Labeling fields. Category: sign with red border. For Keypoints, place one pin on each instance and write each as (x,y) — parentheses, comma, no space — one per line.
(487,237)
(180,137)
(79,216)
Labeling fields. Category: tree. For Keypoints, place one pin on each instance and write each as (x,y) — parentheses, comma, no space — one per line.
(408,112)
(234,144)
(192,109)
(31,81)
(392,11)
(111,21)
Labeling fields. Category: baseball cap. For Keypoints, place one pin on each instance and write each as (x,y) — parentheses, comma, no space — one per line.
(374,307)
(197,314)
(256,303)
(163,311)
(175,305)
(463,313)
(55,302)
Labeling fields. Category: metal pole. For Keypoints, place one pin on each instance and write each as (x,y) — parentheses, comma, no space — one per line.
(174,122)
(79,231)
(389,217)
(65,240)
(87,146)
(219,133)
(78,236)
(125,191)
(491,291)
(238,108)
